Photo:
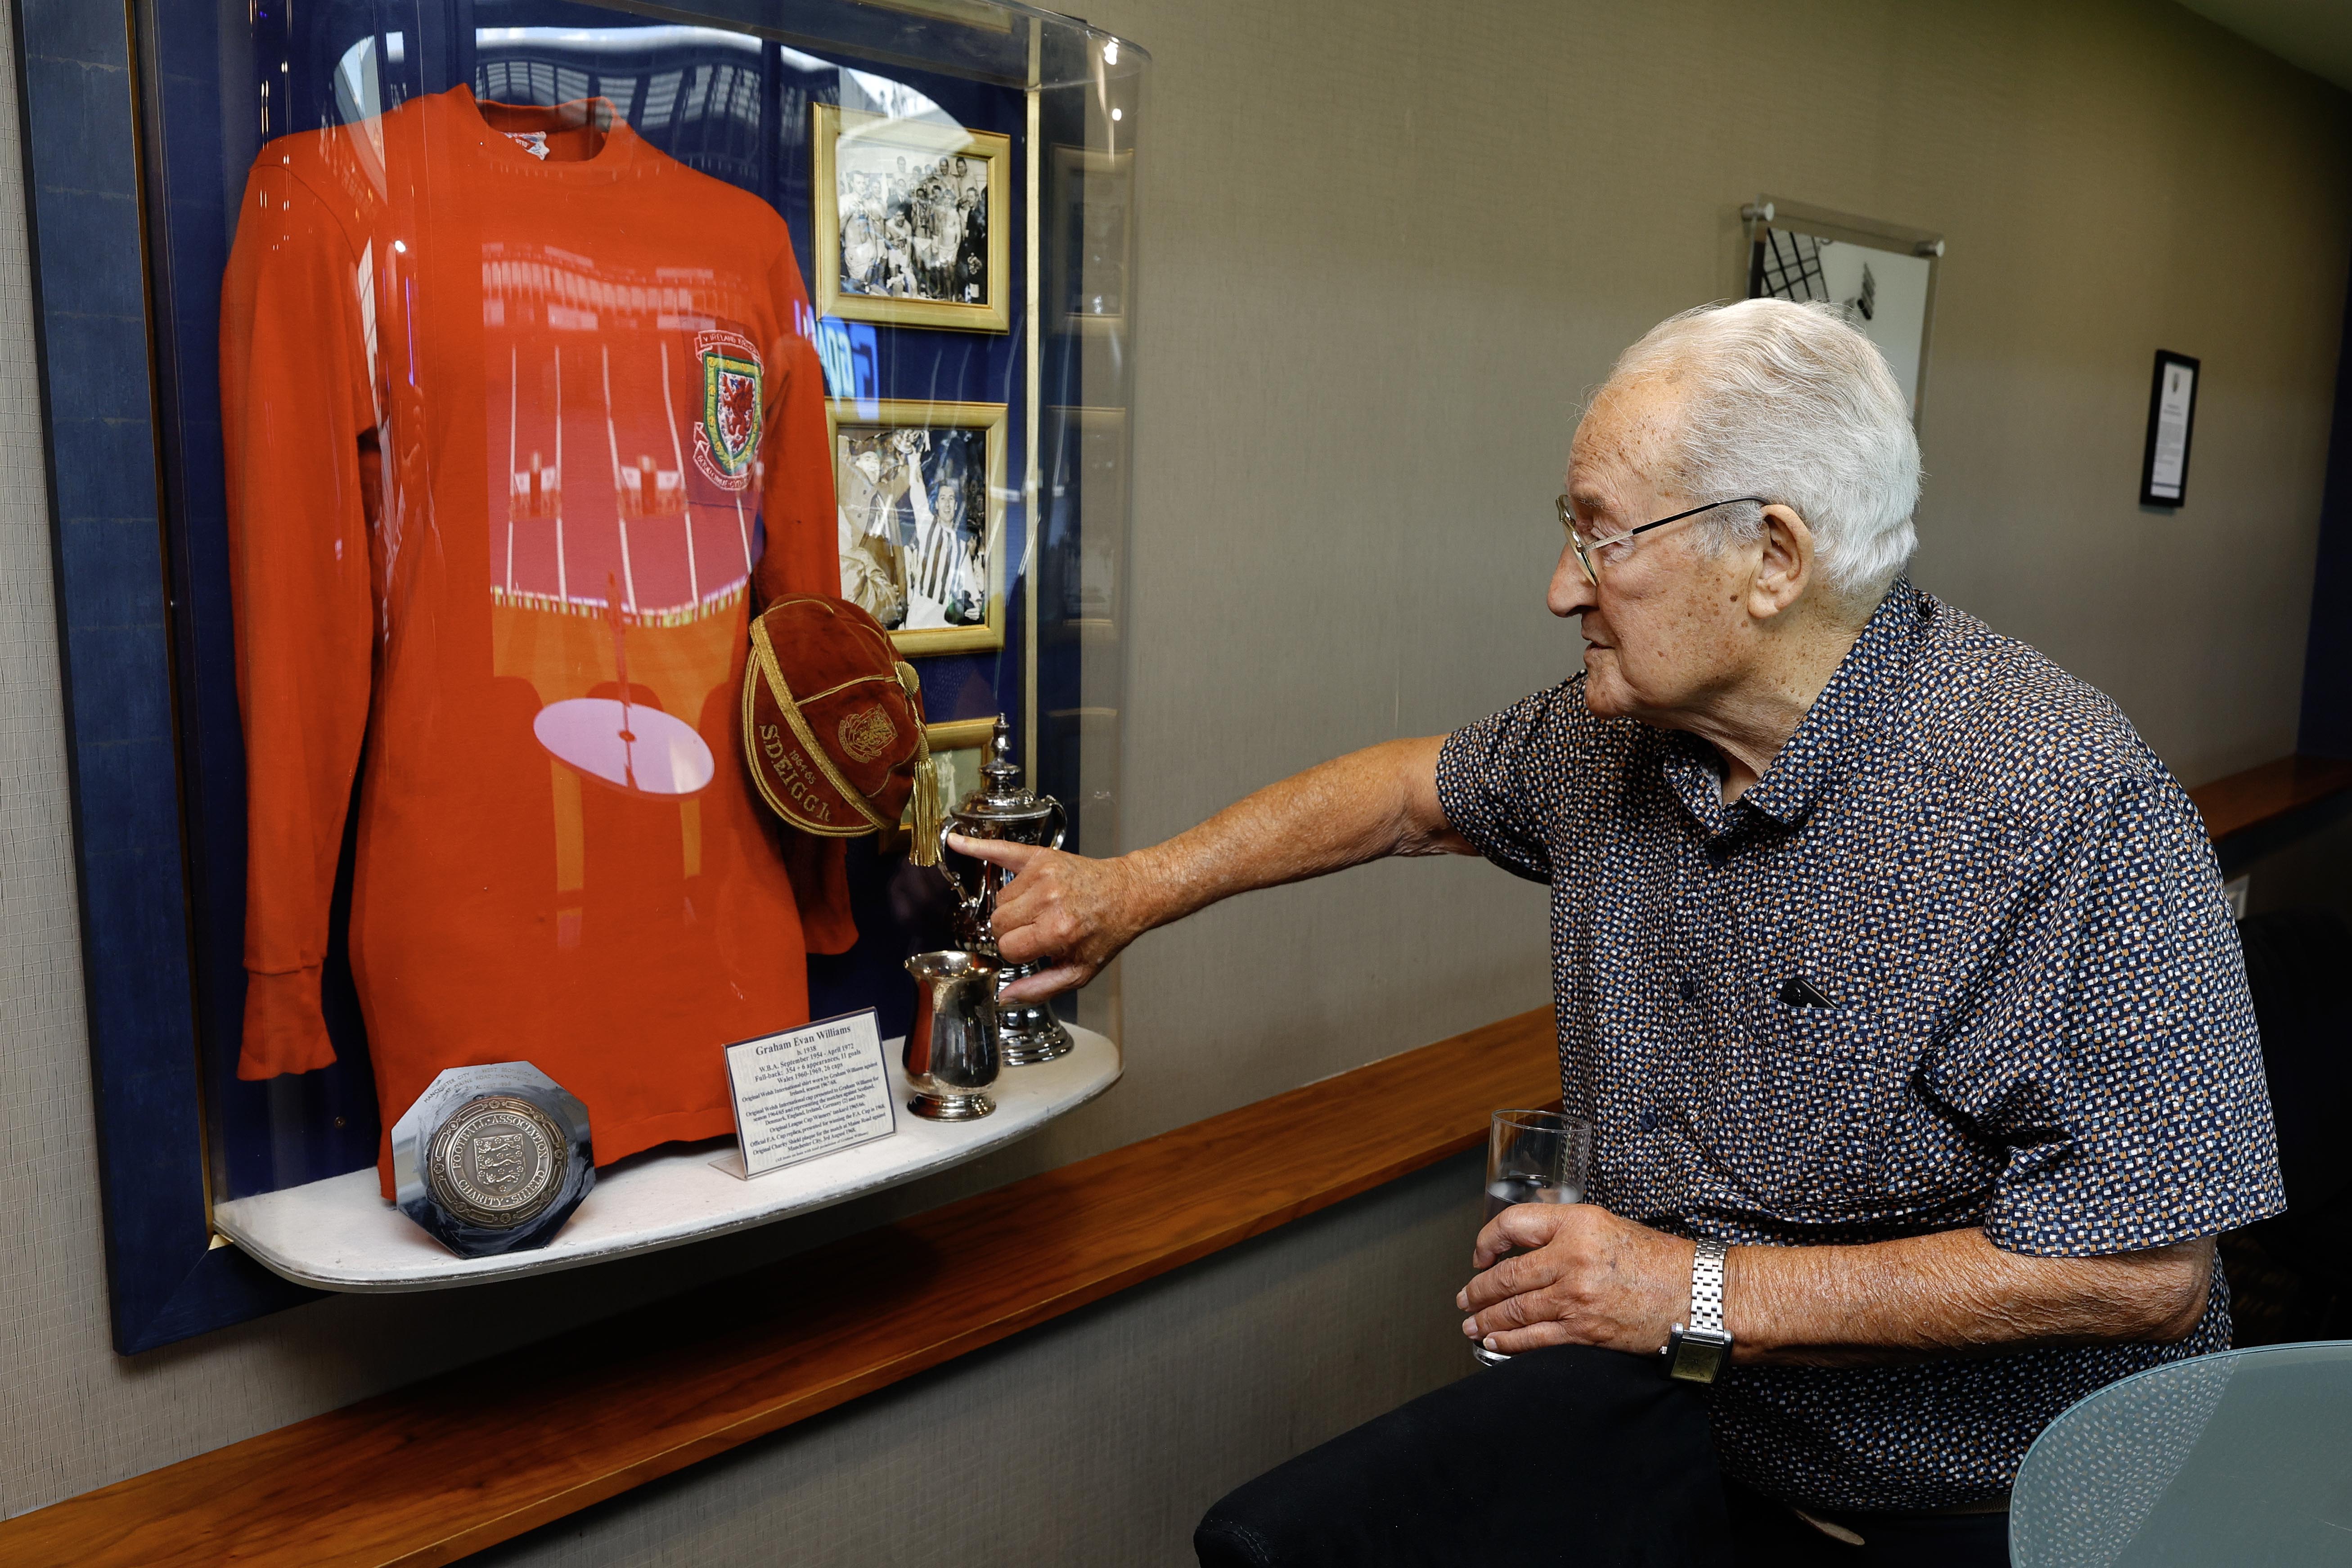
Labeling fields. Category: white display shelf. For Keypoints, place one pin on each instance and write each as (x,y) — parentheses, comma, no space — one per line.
(340,1234)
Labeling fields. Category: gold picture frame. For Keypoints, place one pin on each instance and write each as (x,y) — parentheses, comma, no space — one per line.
(958,748)
(1094,241)
(872,276)
(960,734)
(897,468)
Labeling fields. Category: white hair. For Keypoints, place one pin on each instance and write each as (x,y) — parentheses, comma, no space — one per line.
(1790,402)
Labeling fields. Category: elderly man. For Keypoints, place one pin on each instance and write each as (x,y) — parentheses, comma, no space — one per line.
(1889,962)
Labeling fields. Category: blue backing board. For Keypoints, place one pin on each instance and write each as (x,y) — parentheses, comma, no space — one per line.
(166,1280)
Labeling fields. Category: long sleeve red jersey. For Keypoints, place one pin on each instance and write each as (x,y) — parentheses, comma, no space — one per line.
(519,414)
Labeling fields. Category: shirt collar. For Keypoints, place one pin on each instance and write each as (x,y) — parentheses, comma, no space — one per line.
(1816,753)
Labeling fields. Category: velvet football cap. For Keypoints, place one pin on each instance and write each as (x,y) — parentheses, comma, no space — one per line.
(833,723)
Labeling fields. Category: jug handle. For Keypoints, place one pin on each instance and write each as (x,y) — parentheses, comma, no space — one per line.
(946,868)
(1061,825)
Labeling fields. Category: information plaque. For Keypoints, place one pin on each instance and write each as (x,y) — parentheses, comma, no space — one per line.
(816,1089)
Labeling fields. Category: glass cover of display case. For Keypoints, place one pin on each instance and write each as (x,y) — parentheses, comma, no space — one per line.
(514,356)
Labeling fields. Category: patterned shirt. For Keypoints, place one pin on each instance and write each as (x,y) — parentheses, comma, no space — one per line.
(1960,957)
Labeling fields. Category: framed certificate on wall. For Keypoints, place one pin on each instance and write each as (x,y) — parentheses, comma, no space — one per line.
(2171,412)
(1880,277)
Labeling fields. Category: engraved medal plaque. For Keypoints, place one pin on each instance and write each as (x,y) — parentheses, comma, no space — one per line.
(496,1162)
(493,1159)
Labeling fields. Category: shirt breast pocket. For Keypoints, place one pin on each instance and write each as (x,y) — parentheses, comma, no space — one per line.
(1801,1123)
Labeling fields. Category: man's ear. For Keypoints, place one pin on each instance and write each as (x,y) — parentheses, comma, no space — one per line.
(1784,564)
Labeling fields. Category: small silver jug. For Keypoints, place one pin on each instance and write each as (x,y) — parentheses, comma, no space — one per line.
(952,1052)
(1003,808)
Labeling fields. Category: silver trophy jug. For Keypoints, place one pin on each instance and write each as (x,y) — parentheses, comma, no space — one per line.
(952,1054)
(1003,808)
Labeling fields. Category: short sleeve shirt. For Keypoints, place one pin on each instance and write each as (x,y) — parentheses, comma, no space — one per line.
(1960,958)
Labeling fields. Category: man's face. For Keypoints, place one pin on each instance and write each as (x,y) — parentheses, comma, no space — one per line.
(1667,627)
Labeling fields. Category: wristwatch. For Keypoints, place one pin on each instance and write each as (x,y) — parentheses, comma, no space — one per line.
(1695,1352)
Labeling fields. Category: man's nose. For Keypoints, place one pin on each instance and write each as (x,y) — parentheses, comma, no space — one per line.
(1571,591)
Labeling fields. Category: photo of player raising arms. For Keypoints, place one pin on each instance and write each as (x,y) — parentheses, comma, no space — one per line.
(917,524)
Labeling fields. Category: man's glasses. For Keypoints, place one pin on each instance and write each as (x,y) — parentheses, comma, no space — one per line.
(1585,550)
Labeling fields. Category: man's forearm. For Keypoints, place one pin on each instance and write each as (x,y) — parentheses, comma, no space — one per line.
(1953,1293)
(1073,915)
(1577,1274)
(1370,804)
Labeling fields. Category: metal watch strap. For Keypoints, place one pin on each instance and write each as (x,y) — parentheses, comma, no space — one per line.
(1695,1352)
(1706,1286)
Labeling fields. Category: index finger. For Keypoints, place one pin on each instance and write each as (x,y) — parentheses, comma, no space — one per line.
(1522,1226)
(996,851)
(1515,1273)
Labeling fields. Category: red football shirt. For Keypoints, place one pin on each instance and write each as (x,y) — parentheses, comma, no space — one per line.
(520,416)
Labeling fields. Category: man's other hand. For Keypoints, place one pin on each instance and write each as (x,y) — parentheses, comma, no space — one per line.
(1069,912)
(1581,1275)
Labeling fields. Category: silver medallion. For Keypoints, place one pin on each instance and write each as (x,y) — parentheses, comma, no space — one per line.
(492,1158)
(497,1161)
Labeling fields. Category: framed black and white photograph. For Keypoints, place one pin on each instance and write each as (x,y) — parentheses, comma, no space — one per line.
(2171,414)
(920,498)
(911,219)
(1880,276)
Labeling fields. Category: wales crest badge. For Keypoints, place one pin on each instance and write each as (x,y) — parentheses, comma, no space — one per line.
(726,438)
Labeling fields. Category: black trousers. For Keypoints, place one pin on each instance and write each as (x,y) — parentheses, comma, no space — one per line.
(1569,1455)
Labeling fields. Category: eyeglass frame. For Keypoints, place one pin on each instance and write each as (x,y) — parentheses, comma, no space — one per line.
(1577,542)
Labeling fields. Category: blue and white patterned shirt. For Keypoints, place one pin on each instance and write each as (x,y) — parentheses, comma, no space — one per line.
(2021,1007)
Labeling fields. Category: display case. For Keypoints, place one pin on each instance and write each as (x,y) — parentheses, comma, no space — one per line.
(505,359)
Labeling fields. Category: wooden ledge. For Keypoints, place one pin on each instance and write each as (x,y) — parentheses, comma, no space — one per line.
(2265,808)
(403,1478)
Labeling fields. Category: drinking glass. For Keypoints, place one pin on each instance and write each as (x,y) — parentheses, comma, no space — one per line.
(1533,1157)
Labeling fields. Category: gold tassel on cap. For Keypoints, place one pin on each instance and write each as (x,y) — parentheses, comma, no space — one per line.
(928,810)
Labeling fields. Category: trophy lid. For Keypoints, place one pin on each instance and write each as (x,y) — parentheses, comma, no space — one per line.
(1002,797)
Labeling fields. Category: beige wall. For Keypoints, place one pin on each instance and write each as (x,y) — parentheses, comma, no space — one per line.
(1386,247)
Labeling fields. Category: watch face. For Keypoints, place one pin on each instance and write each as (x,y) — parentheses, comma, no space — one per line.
(1696,1355)
(499,1160)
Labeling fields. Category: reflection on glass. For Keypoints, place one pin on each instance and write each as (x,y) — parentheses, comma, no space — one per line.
(2104,1464)
(697,92)
(2239,1456)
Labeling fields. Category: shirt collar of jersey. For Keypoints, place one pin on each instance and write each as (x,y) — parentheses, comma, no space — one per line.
(1815,754)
